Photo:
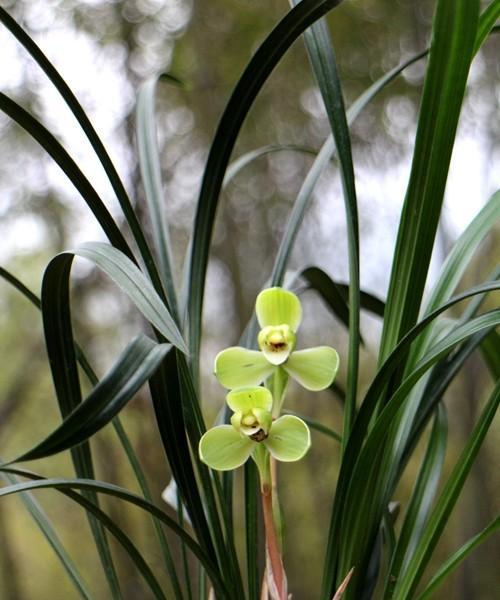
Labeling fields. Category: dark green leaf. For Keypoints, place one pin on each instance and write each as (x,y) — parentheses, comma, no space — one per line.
(122,435)
(365,501)
(487,20)
(87,127)
(262,64)
(455,265)
(324,66)
(421,499)
(61,352)
(149,162)
(406,585)
(335,295)
(491,351)
(129,279)
(48,531)
(133,368)
(457,557)
(66,485)
(454,32)
(70,168)
(337,525)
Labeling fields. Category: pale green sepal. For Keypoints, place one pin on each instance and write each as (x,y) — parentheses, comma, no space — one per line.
(314,368)
(289,439)
(247,398)
(276,306)
(223,448)
(239,367)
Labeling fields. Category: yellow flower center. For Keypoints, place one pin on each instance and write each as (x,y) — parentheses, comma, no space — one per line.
(276,341)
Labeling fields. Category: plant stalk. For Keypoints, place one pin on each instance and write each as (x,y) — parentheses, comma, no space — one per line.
(277,576)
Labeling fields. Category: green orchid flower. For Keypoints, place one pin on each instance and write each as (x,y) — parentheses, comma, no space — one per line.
(227,447)
(279,313)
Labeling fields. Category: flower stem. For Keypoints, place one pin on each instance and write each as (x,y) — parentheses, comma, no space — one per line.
(279,381)
(277,572)
(277,515)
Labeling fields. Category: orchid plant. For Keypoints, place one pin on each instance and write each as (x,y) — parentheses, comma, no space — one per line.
(397,420)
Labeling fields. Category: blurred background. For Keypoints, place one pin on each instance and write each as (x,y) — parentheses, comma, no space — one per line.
(105,50)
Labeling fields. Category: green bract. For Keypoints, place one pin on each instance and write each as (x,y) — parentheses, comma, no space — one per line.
(228,446)
(279,313)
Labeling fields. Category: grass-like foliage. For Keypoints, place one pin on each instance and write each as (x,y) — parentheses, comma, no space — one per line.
(420,353)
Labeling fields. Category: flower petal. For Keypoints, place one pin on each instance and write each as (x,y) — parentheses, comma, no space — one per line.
(239,367)
(276,306)
(245,399)
(276,357)
(223,448)
(289,439)
(314,368)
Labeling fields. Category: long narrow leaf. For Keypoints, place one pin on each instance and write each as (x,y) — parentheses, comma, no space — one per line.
(195,428)
(87,127)
(149,162)
(52,538)
(456,263)
(263,62)
(70,168)
(422,497)
(19,285)
(170,416)
(61,352)
(367,410)
(486,23)
(491,350)
(133,368)
(324,66)
(407,583)
(64,485)
(129,279)
(454,32)
(335,295)
(457,557)
(145,490)
(391,364)
(121,433)
(109,524)
(367,500)
(324,156)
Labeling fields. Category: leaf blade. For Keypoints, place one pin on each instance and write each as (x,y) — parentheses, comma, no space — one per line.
(132,281)
(454,31)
